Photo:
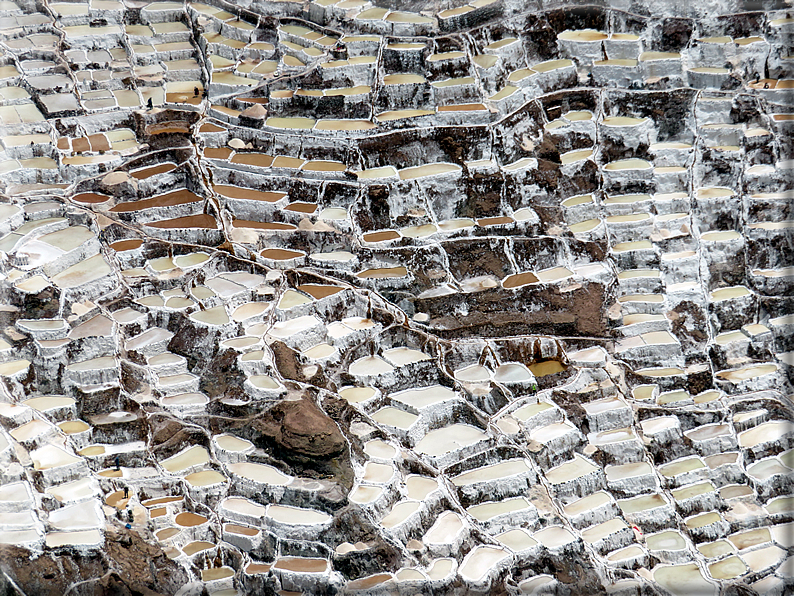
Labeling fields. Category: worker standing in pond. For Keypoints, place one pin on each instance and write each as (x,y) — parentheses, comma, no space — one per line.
(339,51)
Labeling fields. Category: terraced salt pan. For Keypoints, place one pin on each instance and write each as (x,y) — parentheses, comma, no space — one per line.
(748,372)
(419,487)
(186,459)
(384,273)
(297,516)
(377,473)
(16,496)
(91,269)
(364,495)
(482,560)
(216,316)
(632,470)
(80,516)
(402,356)
(666,541)
(261,473)
(400,513)
(547,368)
(552,432)
(512,372)
(684,580)
(50,456)
(576,156)
(31,430)
(13,367)
(473,374)
(446,528)
(370,366)
(379,449)
(356,395)
(292,327)
(485,512)
(77,538)
(424,397)
(451,438)
(555,537)
(599,532)
(49,403)
(395,417)
(574,469)
(205,478)
(766,469)
(244,507)
(491,472)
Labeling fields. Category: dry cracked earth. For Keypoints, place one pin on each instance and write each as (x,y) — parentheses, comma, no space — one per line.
(337,297)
